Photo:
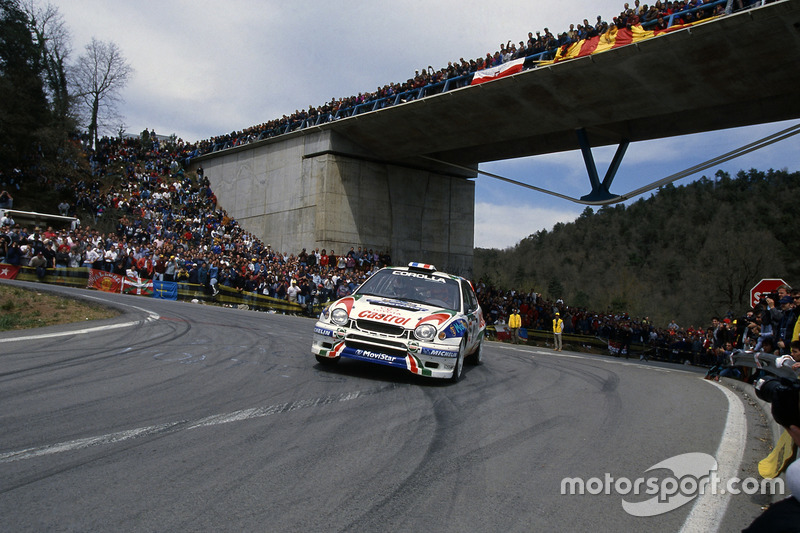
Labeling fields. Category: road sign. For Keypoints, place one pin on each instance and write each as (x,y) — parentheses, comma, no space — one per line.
(765,286)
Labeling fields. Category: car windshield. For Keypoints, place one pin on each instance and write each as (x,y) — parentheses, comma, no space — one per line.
(412,286)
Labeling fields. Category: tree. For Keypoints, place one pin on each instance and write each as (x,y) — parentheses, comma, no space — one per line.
(98,77)
(23,105)
(52,38)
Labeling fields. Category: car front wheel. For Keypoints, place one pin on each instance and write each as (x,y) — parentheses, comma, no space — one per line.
(475,357)
(459,367)
(321,359)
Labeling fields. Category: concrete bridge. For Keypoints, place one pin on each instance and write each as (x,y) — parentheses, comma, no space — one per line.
(385,179)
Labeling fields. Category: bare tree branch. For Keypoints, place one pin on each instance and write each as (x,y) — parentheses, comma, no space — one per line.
(98,77)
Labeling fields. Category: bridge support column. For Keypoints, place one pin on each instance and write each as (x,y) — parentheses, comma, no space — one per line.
(318,190)
(600,191)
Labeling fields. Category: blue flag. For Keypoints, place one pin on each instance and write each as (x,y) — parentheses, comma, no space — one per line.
(166,290)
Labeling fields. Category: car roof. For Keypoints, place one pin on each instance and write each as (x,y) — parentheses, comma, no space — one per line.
(426,269)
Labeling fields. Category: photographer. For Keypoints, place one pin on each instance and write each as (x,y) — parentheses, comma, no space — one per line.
(786,326)
(771,318)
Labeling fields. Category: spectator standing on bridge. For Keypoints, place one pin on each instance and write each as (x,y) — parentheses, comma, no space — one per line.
(558,328)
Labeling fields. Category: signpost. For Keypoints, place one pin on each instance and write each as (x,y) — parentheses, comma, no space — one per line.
(763,287)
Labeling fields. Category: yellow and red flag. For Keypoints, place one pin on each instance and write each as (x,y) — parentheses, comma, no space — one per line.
(613,38)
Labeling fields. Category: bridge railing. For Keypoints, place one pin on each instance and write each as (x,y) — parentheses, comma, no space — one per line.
(671,20)
(449,84)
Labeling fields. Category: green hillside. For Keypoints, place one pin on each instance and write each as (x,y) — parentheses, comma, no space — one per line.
(686,252)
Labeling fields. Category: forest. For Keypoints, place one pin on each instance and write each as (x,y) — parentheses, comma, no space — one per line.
(687,252)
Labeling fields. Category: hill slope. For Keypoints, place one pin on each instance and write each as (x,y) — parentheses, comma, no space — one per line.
(684,253)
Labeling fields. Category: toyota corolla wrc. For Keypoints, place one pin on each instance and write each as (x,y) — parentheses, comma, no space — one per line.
(414,317)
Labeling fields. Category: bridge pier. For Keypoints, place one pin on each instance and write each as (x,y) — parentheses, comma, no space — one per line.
(600,191)
(317,190)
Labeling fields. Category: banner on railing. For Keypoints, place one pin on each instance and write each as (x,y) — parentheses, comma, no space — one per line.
(500,71)
(617,348)
(140,286)
(8,271)
(108,282)
(614,38)
(104,281)
(503,333)
(166,290)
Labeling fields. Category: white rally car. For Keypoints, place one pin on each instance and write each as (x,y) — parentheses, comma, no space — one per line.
(413,317)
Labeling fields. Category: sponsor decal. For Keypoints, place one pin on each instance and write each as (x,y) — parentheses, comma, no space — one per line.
(456,329)
(419,275)
(439,353)
(413,346)
(414,365)
(375,355)
(395,303)
(322,331)
(340,333)
(439,318)
(389,318)
(347,302)
(336,350)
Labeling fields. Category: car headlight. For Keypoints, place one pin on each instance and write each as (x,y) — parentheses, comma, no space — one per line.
(425,332)
(339,317)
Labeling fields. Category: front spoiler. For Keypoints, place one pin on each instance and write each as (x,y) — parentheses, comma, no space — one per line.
(414,363)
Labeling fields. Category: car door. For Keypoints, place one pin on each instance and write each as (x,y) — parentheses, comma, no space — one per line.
(472,313)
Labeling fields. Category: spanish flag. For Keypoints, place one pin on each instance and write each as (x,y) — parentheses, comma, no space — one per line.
(613,38)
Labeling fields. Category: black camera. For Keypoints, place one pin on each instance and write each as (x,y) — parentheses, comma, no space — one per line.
(773,296)
(784,395)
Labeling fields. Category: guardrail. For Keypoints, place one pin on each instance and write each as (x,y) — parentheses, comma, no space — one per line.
(80,278)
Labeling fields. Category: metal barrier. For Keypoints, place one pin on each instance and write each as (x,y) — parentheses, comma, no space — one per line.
(79,278)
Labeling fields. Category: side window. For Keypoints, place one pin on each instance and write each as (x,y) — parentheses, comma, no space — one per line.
(473,299)
(468,298)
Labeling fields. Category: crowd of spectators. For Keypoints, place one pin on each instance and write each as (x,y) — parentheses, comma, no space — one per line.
(169,227)
(535,47)
(770,327)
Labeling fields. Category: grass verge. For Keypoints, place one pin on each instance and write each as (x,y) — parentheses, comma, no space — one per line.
(25,309)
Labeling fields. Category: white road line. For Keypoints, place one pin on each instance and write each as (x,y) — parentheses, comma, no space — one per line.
(709,509)
(79,444)
(594,358)
(151,316)
(236,416)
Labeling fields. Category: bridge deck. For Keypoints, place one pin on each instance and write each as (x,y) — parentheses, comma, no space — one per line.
(738,70)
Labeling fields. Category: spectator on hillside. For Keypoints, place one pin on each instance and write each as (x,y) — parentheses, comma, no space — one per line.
(6,200)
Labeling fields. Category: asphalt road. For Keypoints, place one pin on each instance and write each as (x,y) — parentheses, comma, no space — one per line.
(186,417)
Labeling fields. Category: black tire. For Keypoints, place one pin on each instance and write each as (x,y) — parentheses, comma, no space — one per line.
(459,368)
(475,357)
(327,361)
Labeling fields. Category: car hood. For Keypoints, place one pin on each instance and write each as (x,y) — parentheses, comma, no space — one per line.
(394,312)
